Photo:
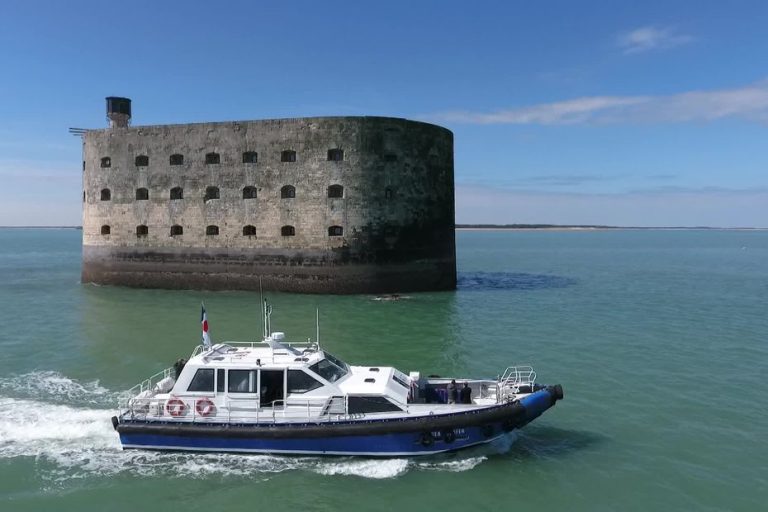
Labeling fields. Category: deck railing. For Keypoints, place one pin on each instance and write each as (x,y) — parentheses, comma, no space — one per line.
(235,410)
(513,378)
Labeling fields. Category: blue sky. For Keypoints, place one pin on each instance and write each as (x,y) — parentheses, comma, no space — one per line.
(643,113)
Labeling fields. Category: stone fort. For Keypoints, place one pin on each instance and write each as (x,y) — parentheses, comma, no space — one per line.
(316,205)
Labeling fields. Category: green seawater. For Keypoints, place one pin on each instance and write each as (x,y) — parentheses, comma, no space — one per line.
(659,338)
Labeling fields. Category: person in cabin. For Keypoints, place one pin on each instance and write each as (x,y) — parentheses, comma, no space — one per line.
(466,394)
(178,366)
(452,392)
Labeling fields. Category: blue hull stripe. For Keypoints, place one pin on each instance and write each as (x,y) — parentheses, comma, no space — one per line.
(381,445)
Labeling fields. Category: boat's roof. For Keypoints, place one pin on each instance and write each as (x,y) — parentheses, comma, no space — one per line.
(233,354)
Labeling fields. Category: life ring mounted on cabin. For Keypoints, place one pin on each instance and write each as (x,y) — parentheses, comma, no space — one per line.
(205,407)
(175,407)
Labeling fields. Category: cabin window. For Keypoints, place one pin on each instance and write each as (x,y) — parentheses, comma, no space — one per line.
(397,378)
(369,404)
(106,162)
(106,195)
(211,193)
(335,155)
(177,230)
(211,230)
(202,381)
(390,157)
(335,191)
(142,194)
(250,157)
(220,380)
(287,231)
(177,159)
(288,192)
(249,230)
(105,230)
(142,161)
(335,231)
(271,388)
(142,230)
(177,193)
(212,158)
(288,156)
(249,193)
(301,382)
(329,371)
(242,381)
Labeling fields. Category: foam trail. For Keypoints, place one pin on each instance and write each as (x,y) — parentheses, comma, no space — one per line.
(53,386)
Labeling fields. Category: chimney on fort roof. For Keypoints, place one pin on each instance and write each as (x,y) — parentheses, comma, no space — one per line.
(118,112)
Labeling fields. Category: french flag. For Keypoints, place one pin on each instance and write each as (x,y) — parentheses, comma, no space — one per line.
(204,321)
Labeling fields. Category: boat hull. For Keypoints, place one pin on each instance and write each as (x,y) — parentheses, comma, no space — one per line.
(423,435)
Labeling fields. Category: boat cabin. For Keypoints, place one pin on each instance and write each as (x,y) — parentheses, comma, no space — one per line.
(279,377)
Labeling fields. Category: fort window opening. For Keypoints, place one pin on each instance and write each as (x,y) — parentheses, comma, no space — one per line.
(249,230)
(288,156)
(106,195)
(211,230)
(83,164)
(249,193)
(388,193)
(177,159)
(177,230)
(211,193)
(335,191)
(105,230)
(288,192)
(142,194)
(335,231)
(142,161)
(106,162)
(212,158)
(335,155)
(142,230)
(390,157)
(287,231)
(250,157)
(177,193)
(83,195)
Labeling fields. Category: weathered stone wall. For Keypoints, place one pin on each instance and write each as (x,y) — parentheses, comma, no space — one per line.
(396,212)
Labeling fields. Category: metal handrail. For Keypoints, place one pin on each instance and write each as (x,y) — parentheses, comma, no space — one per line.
(149,383)
(514,377)
(248,410)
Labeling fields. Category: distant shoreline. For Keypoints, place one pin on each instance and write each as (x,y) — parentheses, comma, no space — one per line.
(555,227)
(41,227)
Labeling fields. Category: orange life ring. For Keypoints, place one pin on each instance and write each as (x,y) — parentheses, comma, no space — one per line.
(175,406)
(205,407)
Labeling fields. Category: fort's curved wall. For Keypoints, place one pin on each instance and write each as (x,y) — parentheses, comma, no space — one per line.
(396,213)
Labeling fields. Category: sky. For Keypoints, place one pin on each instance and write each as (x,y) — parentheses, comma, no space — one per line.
(650,113)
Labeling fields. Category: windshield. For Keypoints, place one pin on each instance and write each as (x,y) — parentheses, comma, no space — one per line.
(329,369)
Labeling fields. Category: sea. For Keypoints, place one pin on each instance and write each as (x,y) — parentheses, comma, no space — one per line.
(658,337)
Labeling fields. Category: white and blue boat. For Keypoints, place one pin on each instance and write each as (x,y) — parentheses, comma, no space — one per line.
(282,397)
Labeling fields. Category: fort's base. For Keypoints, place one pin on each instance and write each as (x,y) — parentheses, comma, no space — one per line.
(275,270)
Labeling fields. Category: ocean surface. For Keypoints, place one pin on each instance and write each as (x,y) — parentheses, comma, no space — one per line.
(659,338)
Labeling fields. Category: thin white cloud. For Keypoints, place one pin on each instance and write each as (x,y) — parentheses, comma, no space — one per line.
(648,38)
(747,102)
